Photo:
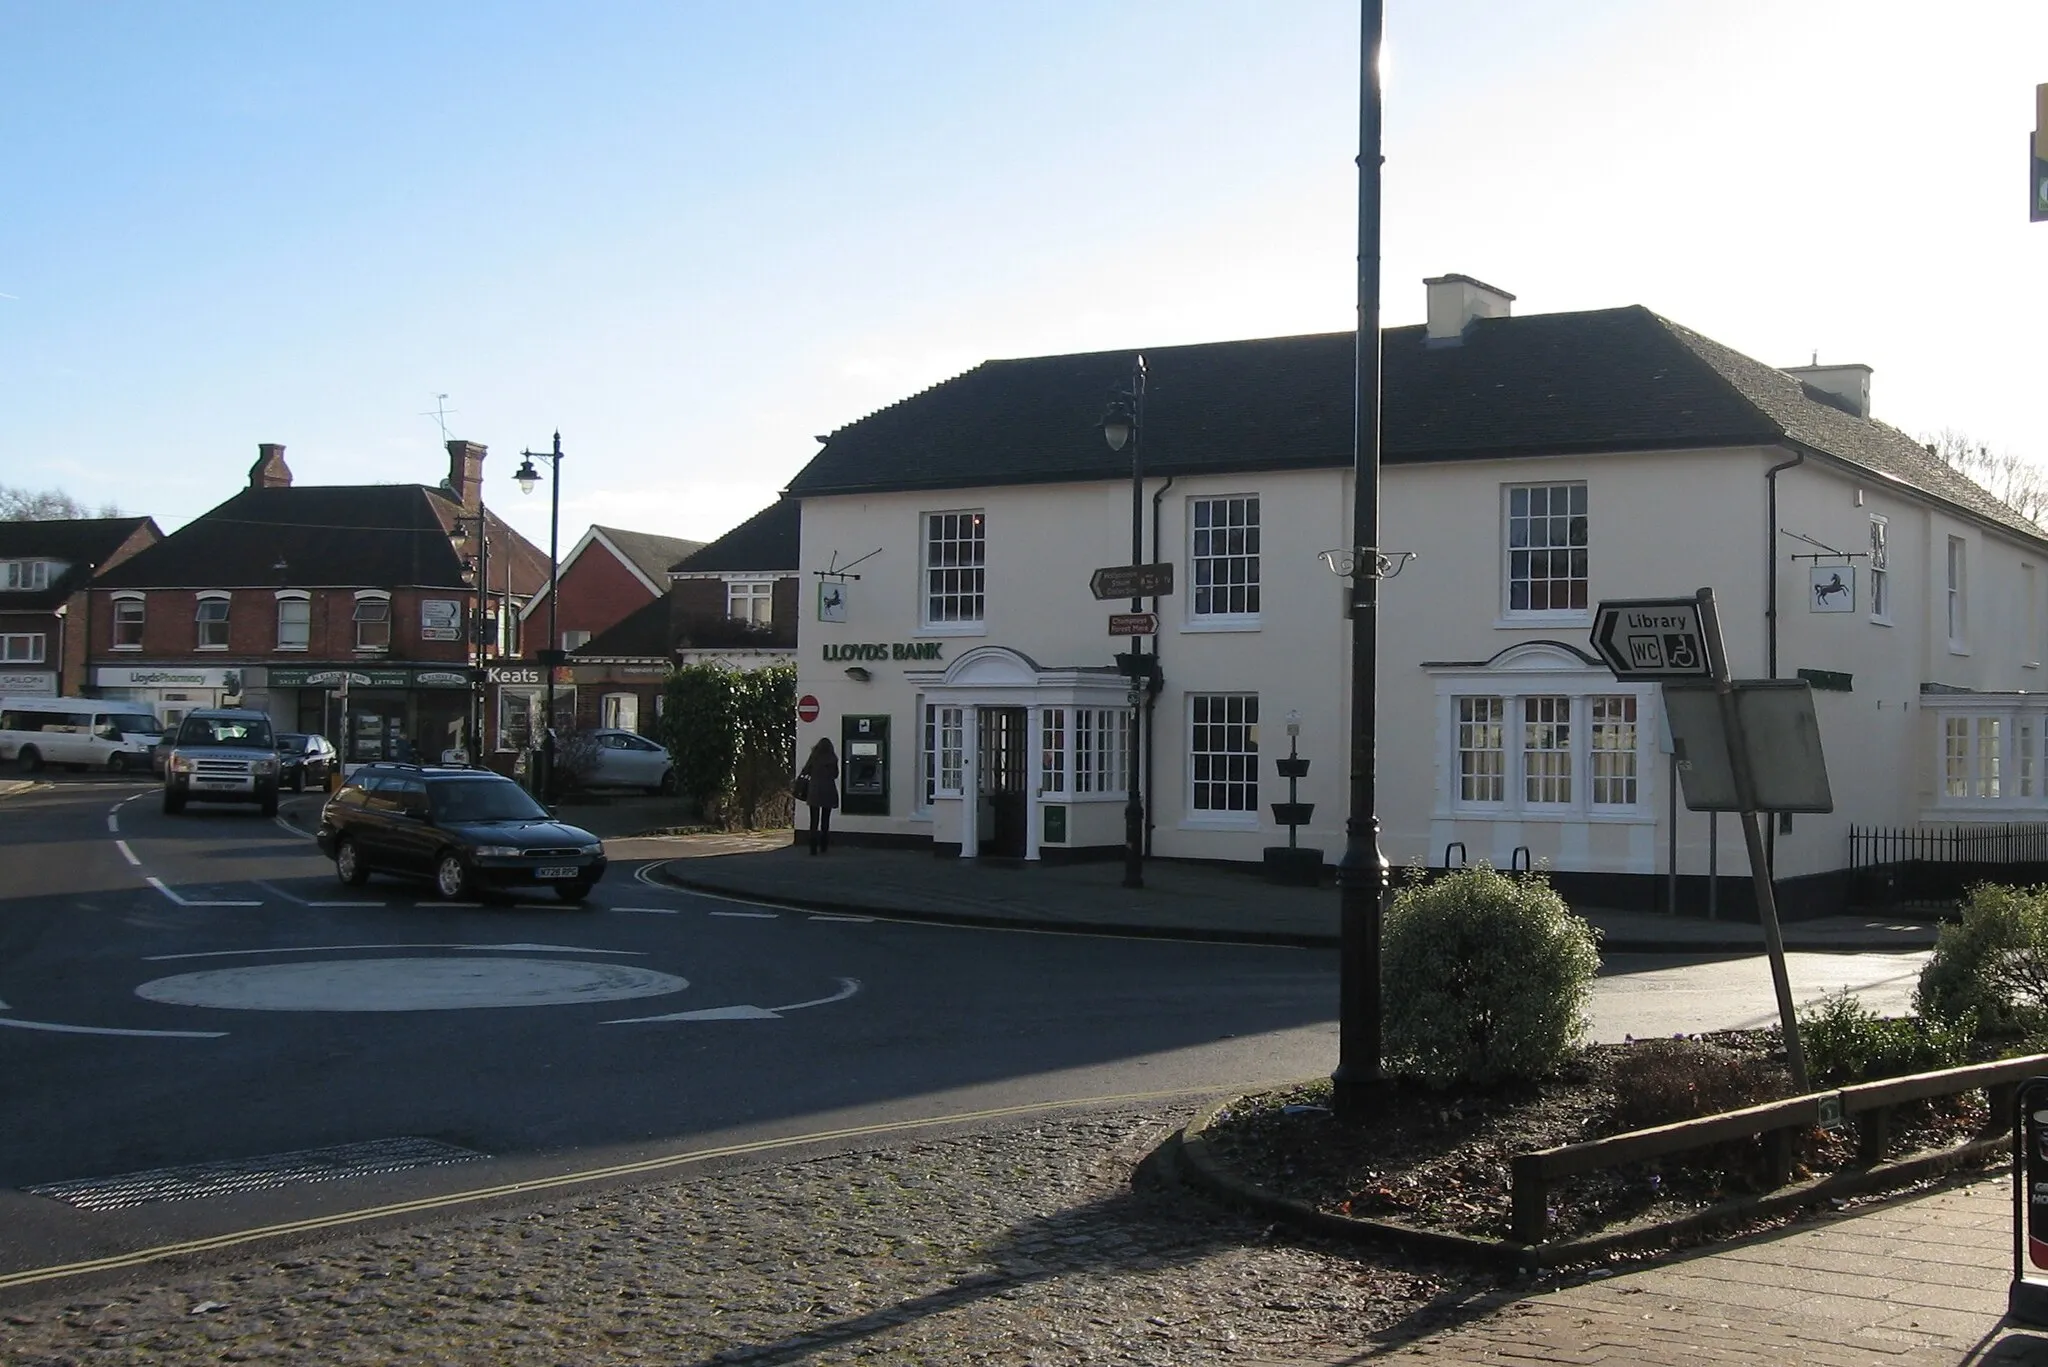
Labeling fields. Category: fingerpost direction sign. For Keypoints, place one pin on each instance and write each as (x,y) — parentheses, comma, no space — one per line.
(1652,639)
(1132,581)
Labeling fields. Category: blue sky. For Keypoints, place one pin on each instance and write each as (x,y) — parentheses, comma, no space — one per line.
(692,236)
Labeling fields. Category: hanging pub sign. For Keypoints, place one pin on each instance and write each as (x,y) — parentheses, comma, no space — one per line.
(1831,588)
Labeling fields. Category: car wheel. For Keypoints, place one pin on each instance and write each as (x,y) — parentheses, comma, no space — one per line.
(30,759)
(117,764)
(451,878)
(349,866)
(575,893)
(667,786)
(174,802)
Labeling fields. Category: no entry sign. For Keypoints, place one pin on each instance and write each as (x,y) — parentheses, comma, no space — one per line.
(807,708)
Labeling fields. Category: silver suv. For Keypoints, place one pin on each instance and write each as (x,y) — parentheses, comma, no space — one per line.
(222,755)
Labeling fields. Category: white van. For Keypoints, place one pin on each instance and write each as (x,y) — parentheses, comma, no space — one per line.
(84,733)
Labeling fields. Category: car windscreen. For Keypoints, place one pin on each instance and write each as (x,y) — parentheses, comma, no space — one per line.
(135,724)
(483,800)
(291,744)
(252,732)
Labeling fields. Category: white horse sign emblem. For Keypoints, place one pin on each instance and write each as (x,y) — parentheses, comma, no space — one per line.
(1831,588)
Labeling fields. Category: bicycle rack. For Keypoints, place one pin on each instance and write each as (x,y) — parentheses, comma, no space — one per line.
(1519,861)
(1463,860)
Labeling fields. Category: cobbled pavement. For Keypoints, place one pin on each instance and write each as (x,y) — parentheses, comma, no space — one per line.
(1028,1245)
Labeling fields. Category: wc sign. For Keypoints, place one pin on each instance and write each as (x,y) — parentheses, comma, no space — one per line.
(1651,639)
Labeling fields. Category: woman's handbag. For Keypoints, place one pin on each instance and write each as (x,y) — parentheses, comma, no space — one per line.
(801,788)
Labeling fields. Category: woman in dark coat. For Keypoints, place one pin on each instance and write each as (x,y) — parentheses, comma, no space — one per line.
(821,792)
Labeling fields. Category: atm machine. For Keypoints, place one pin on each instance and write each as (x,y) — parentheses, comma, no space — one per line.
(864,765)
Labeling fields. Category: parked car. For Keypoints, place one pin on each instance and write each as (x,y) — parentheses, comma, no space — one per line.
(303,760)
(77,733)
(469,830)
(222,755)
(622,759)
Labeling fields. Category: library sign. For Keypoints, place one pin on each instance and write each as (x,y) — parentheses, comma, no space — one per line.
(887,650)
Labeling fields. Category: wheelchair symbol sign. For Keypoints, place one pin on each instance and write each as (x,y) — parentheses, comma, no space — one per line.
(1657,639)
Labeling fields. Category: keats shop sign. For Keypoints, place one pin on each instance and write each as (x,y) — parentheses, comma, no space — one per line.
(888,650)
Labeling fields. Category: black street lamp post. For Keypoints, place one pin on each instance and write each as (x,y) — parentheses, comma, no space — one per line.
(480,566)
(1362,873)
(527,477)
(1123,424)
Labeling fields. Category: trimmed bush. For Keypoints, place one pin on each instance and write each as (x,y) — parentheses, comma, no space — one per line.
(1658,1082)
(1846,1041)
(1989,971)
(1484,979)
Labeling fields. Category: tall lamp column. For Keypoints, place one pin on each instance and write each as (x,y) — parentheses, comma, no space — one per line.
(551,657)
(481,569)
(1123,425)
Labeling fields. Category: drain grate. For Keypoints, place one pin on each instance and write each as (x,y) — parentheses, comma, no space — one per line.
(198,1180)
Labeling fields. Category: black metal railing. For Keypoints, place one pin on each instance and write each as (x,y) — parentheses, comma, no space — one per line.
(1899,864)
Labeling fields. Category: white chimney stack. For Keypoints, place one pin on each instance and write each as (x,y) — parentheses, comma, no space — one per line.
(1455,300)
(1846,387)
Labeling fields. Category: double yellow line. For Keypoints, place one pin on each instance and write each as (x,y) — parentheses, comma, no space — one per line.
(117,1261)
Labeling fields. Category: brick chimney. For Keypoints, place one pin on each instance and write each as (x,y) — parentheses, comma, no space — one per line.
(1455,301)
(466,473)
(270,471)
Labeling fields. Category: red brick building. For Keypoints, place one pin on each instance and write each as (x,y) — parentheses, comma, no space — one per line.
(45,610)
(606,577)
(346,610)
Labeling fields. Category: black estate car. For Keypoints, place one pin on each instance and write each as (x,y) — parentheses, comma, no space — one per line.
(303,760)
(469,830)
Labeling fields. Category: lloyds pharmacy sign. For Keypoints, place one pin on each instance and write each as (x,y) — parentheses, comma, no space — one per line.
(889,650)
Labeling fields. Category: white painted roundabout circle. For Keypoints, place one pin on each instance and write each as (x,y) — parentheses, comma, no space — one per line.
(451,984)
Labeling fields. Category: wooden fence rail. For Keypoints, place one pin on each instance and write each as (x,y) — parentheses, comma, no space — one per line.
(1774,1124)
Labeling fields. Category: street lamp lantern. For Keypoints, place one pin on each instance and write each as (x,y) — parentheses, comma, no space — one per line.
(1116,430)
(526,476)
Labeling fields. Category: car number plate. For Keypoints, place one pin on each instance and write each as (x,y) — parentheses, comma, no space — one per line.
(556,871)
(218,784)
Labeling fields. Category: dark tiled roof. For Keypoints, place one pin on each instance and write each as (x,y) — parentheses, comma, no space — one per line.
(643,634)
(650,554)
(78,542)
(763,544)
(355,535)
(1608,380)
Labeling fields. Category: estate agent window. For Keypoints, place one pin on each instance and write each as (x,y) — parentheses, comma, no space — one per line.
(294,620)
(373,621)
(128,623)
(1223,754)
(1223,559)
(1546,549)
(955,546)
(212,618)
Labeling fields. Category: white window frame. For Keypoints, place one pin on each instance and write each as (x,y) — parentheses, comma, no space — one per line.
(1880,570)
(1241,513)
(751,601)
(1510,615)
(201,620)
(574,638)
(1957,590)
(1054,762)
(942,746)
(1479,751)
(932,589)
(619,712)
(141,622)
(26,576)
(299,597)
(364,598)
(1199,713)
(1593,766)
(24,647)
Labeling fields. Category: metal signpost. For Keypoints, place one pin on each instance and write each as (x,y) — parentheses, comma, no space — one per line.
(1678,641)
(1134,624)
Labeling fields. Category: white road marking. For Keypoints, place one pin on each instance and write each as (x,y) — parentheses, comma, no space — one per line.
(652,911)
(127,853)
(522,948)
(54,1028)
(271,887)
(750,915)
(344,904)
(158,884)
(471,905)
(847,987)
(822,916)
(114,821)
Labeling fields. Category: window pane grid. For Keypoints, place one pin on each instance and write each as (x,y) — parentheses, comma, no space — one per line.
(1052,745)
(955,548)
(1614,750)
(212,616)
(1988,756)
(1224,556)
(128,621)
(1482,750)
(1547,548)
(1224,752)
(294,623)
(1546,751)
(1955,757)
(751,602)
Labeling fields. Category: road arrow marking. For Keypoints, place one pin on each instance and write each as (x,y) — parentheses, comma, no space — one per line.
(847,987)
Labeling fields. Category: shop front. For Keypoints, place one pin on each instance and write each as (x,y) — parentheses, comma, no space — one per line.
(170,691)
(622,694)
(28,683)
(518,706)
(416,712)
